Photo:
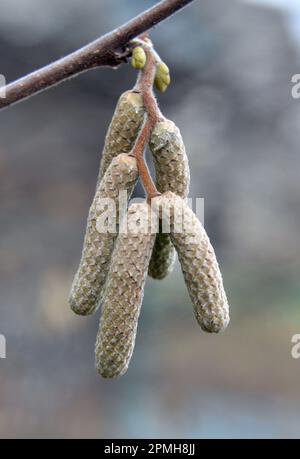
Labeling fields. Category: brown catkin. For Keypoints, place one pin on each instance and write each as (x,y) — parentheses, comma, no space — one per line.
(123,129)
(199,266)
(172,174)
(87,288)
(124,294)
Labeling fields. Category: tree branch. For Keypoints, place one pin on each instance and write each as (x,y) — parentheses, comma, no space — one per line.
(109,50)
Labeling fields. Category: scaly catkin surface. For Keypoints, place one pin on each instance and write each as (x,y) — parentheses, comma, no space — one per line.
(124,128)
(170,159)
(200,268)
(172,174)
(163,257)
(87,288)
(123,297)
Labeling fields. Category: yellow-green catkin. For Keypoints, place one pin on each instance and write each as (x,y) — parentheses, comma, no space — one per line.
(172,174)
(199,266)
(124,128)
(162,77)
(124,293)
(87,289)
(139,58)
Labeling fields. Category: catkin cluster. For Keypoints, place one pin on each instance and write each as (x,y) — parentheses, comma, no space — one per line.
(115,261)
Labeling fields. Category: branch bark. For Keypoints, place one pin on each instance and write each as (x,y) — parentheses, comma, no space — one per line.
(109,50)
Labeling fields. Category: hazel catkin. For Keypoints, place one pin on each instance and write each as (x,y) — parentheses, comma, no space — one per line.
(199,266)
(163,257)
(123,129)
(172,174)
(124,293)
(87,288)
(170,159)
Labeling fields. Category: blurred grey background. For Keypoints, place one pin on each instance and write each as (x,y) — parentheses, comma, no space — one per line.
(231,63)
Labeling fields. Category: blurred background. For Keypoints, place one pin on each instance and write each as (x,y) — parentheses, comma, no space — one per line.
(231,63)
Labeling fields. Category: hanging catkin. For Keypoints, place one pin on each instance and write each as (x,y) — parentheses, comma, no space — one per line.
(172,174)
(124,294)
(87,288)
(199,266)
(115,260)
(123,129)
(163,257)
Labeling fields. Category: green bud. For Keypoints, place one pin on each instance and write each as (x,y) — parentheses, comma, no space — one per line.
(139,58)
(162,77)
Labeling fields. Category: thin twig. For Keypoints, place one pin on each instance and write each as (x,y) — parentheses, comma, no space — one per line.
(145,84)
(109,50)
(145,87)
(138,152)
